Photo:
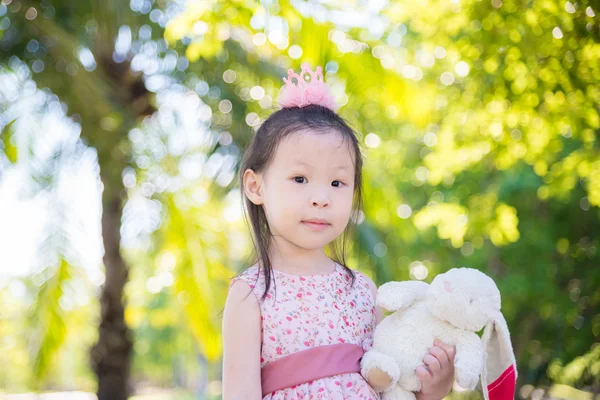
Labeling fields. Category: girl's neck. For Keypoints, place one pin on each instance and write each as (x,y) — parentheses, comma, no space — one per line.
(300,261)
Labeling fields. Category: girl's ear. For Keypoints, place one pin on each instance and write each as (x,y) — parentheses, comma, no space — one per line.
(253,186)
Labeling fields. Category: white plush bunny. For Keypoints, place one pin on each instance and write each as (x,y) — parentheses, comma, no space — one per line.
(457,304)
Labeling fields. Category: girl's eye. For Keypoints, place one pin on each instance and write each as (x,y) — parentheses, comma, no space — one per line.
(299,179)
(336,183)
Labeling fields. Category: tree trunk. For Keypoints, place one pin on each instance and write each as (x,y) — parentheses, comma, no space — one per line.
(111,356)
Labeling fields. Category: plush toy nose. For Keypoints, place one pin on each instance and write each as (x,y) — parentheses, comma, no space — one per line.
(448,287)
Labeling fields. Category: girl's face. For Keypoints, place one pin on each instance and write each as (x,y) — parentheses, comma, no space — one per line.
(308,188)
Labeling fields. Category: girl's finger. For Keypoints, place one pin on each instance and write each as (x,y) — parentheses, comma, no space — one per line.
(449,350)
(423,374)
(433,363)
(440,355)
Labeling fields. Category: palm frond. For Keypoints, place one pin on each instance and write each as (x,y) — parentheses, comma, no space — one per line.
(48,318)
(8,147)
(196,273)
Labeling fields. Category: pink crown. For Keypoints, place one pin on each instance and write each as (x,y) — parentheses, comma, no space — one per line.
(304,93)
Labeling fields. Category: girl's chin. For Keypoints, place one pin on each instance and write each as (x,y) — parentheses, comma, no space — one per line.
(311,244)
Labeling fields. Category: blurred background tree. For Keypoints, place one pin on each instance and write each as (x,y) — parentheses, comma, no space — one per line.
(479,121)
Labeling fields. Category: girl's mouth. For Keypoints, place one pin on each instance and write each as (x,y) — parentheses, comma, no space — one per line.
(319,226)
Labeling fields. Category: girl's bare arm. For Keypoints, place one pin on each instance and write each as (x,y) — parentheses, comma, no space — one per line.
(241,344)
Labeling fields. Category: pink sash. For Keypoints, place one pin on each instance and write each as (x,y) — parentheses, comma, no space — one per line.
(309,365)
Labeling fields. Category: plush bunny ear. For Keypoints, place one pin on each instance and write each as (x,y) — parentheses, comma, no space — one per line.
(499,376)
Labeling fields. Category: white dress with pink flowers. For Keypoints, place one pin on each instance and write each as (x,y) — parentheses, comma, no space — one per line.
(303,312)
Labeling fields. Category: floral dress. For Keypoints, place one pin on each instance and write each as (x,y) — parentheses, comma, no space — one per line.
(301,312)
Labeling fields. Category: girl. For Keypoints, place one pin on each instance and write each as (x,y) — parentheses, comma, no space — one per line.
(301,333)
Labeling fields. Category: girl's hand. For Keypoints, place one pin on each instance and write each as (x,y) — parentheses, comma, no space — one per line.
(438,377)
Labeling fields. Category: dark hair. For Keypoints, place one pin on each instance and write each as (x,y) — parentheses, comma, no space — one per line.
(260,153)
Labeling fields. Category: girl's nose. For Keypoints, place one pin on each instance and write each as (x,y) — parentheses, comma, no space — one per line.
(322,203)
(320,199)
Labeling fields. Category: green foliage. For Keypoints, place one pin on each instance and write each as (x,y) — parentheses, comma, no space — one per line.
(583,371)
(47,318)
(8,147)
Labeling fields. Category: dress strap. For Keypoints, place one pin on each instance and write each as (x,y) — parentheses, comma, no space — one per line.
(309,365)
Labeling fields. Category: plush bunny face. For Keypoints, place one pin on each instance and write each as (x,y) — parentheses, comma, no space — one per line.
(464,297)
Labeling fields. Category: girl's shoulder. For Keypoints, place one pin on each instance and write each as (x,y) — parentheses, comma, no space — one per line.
(253,277)
(364,282)
(362,278)
(249,273)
